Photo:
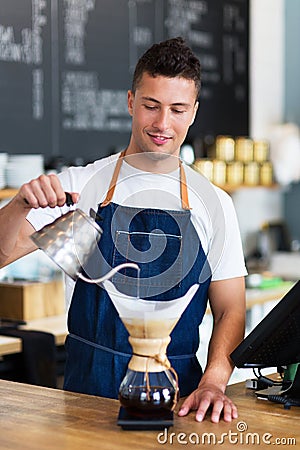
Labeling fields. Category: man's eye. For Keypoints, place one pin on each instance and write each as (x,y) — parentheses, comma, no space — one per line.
(178,111)
(151,108)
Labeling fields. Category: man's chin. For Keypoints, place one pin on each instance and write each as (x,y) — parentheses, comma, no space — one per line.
(158,155)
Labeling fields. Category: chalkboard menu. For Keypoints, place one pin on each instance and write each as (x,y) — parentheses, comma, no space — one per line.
(66,66)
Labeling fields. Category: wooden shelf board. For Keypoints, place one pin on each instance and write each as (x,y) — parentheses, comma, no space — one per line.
(7,193)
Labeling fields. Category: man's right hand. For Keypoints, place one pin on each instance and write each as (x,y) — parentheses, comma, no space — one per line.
(46,190)
(15,230)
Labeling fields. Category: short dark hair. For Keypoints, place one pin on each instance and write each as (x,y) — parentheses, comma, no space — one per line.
(171,58)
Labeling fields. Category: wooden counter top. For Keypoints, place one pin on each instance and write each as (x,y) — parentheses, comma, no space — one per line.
(261,296)
(56,325)
(37,418)
(9,345)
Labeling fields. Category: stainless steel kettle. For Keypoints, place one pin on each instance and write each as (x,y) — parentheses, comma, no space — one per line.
(70,240)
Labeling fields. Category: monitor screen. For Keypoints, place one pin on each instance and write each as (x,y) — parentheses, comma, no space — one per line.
(275,341)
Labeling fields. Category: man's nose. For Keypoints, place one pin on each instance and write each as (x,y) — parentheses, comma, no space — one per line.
(162,120)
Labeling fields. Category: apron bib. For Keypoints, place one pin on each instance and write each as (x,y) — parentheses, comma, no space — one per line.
(168,251)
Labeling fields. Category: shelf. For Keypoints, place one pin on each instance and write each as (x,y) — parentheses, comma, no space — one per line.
(7,193)
(231,188)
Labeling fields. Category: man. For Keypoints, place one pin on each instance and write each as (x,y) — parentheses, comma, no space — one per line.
(164,216)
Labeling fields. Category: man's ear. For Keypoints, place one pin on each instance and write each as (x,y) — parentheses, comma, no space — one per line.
(195,112)
(130,99)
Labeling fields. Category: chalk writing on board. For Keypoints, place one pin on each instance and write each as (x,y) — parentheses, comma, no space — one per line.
(29,49)
(76,15)
(86,107)
(181,17)
(37,94)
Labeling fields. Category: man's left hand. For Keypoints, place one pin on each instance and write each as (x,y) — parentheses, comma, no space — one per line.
(207,396)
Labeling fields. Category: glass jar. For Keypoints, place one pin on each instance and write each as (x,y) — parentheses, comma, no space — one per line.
(225,148)
(261,150)
(251,174)
(235,173)
(205,167)
(219,172)
(244,149)
(266,173)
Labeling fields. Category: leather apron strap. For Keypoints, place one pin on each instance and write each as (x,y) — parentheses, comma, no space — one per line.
(113,182)
(183,189)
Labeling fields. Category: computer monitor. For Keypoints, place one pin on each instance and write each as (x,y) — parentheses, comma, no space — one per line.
(275,341)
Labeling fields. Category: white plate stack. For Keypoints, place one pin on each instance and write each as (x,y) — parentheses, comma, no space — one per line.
(22,168)
(3,164)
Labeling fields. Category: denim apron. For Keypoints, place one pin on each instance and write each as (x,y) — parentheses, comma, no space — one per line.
(167,248)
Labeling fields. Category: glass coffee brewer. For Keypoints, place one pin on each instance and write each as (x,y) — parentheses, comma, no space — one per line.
(149,391)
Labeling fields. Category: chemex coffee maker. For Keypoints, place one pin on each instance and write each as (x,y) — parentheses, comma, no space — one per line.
(149,391)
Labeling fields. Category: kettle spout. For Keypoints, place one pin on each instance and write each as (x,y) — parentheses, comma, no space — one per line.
(110,274)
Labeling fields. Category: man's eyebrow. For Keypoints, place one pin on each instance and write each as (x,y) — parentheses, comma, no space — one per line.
(154,100)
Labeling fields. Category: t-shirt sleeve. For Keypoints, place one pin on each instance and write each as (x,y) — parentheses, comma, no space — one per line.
(75,179)
(231,261)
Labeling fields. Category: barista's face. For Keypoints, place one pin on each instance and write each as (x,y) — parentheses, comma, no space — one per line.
(162,111)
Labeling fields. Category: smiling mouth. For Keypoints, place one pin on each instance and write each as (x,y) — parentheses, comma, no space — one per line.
(159,139)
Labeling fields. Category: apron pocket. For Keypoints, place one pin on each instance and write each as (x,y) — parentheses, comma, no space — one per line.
(158,255)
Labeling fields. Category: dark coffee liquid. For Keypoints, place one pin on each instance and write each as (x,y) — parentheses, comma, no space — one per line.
(156,404)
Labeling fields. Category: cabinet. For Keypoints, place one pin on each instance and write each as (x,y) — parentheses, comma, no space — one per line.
(28,300)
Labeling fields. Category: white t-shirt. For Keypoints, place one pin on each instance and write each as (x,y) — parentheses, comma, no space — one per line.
(212,210)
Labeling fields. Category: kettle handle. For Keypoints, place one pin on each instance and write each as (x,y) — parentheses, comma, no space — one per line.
(69,201)
(93,214)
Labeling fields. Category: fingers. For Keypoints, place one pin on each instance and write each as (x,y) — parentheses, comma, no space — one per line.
(46,190)
(229,411)
(219,403)
(203,407)
(43,191)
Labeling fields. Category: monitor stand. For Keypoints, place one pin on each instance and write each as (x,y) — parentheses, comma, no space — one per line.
(293,392)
